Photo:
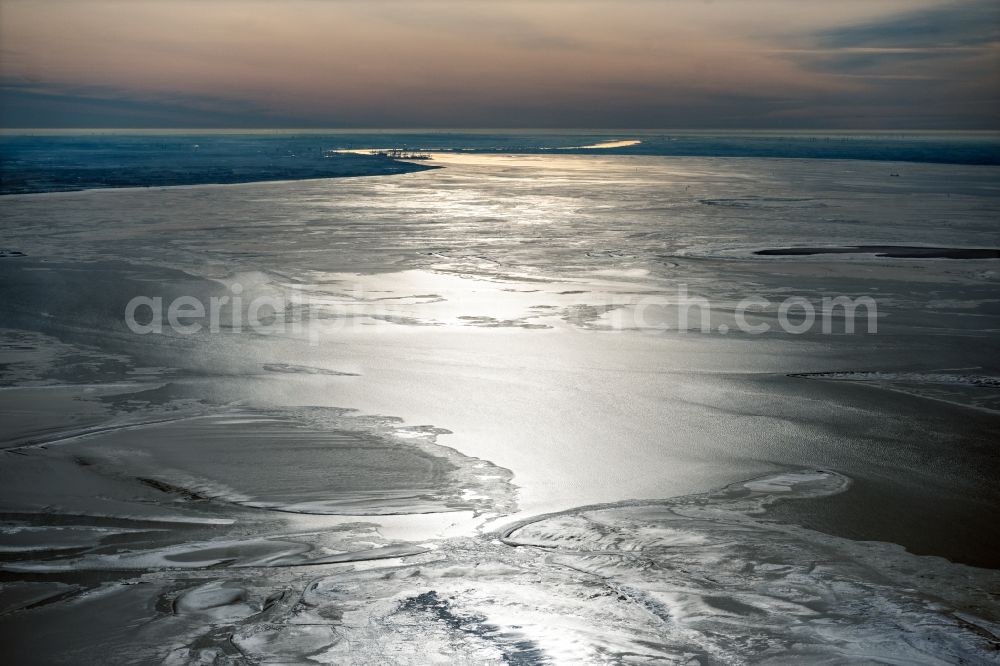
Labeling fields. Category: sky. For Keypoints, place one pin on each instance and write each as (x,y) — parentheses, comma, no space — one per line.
(682,64)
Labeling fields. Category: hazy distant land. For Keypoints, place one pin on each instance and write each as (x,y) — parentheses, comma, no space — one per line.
(56,161)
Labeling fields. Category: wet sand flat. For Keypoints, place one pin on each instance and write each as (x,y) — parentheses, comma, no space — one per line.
(891,251)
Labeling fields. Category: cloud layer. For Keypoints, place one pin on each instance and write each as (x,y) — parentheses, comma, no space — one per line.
(632,63)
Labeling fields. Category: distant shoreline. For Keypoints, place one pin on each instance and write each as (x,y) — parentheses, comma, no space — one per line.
(65,162)
(192,183)
(82,179)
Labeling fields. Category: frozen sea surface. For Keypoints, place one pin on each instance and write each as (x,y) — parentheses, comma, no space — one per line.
(490,440)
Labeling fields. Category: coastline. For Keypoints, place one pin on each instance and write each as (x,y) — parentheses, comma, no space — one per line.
(36,162)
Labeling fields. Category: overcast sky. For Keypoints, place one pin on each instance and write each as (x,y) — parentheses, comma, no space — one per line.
(624,64)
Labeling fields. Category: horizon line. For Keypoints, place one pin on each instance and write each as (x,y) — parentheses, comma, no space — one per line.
(502,129)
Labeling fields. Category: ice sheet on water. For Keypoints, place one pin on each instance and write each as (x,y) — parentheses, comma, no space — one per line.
(17,595)
(332,462)
(697,579)
(40,485)
(199,555)
(221,600)
(967,389)
(986,381)
(800,483)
